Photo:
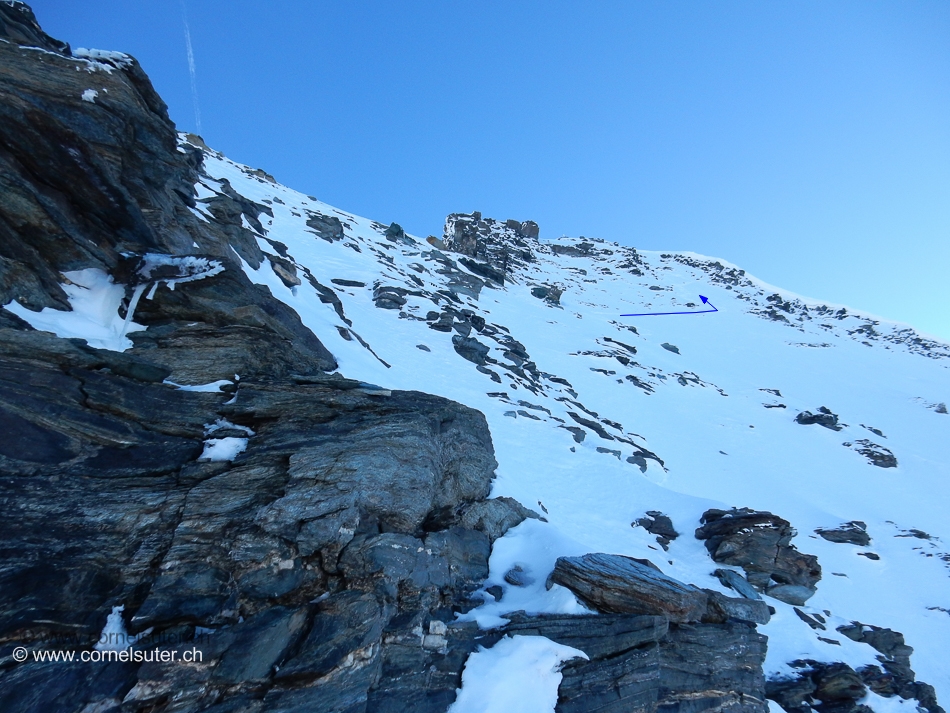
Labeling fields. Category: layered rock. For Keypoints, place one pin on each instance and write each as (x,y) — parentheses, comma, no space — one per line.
(690,648)
(760,543)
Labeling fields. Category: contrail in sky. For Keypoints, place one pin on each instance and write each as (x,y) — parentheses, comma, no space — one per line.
(191,67)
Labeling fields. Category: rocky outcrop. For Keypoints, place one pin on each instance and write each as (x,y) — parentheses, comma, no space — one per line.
(309,535)
(760,543)
(498,247)
(692,649)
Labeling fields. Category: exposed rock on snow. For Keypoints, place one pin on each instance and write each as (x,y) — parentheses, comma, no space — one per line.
(760,543)
(656,523)
(824,417)
(875,453)
(854,532)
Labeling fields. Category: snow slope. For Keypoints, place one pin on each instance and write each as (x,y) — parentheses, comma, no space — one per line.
(694,424)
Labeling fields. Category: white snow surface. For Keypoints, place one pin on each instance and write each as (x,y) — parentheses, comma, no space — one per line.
(95,302)
(702,412)
(227,448)
(90,96)
(519,673)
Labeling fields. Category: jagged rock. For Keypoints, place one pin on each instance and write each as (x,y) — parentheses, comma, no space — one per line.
(550,294)
(854,532)
(496,516)
(824,417)
(327,227)
(389,297)
(499,246)
(736,581)
(644,664)
(760,543)
(470,349)
(670,348)
(876,454)
(656,523)
(618,584)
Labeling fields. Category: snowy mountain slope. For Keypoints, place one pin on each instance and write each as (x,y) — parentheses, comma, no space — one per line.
(708,422)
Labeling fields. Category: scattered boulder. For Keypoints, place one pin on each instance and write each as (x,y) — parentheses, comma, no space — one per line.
(876,454)
(824,417)
(327,227)
(760,543)
(470,349)
(389,297)
(656,523)
(854,532)
(670,348)
(548,293)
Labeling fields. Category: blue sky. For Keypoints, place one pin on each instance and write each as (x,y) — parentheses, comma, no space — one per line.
(807,142)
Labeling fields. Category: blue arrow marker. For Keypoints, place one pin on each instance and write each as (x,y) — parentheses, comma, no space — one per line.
(702,311)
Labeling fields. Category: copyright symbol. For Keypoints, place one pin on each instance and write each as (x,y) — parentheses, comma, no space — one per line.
(20,653)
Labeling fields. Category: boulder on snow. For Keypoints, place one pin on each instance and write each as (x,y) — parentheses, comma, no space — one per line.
(656,523)
(760,543)
(875,453)
(824,417)
(623,585)
(470,348)
(854,532)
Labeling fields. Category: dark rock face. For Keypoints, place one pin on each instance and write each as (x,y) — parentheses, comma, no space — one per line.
(642,664)
(854,533)
(315,569)
(760,543)
(320,565)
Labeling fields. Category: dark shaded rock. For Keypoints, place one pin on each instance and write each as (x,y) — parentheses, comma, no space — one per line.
(760,543)
(824,417)
(496,516)
(870,555)
(550,294)
(854,533)
(499,246)
(876,454)
(347,283)
(670,348)
(389,297)
(721,608)
(736,581)
(327,227)
(470,349)
(484,270)
(618,584)
(18,24)
(599,637)
(643,663)
(518,577)
(656,523)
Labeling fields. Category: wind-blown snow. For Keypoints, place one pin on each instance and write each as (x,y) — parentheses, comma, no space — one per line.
(95,302)
(701,411)
(519,673)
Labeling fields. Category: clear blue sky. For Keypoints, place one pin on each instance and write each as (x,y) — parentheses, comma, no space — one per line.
(808,142)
